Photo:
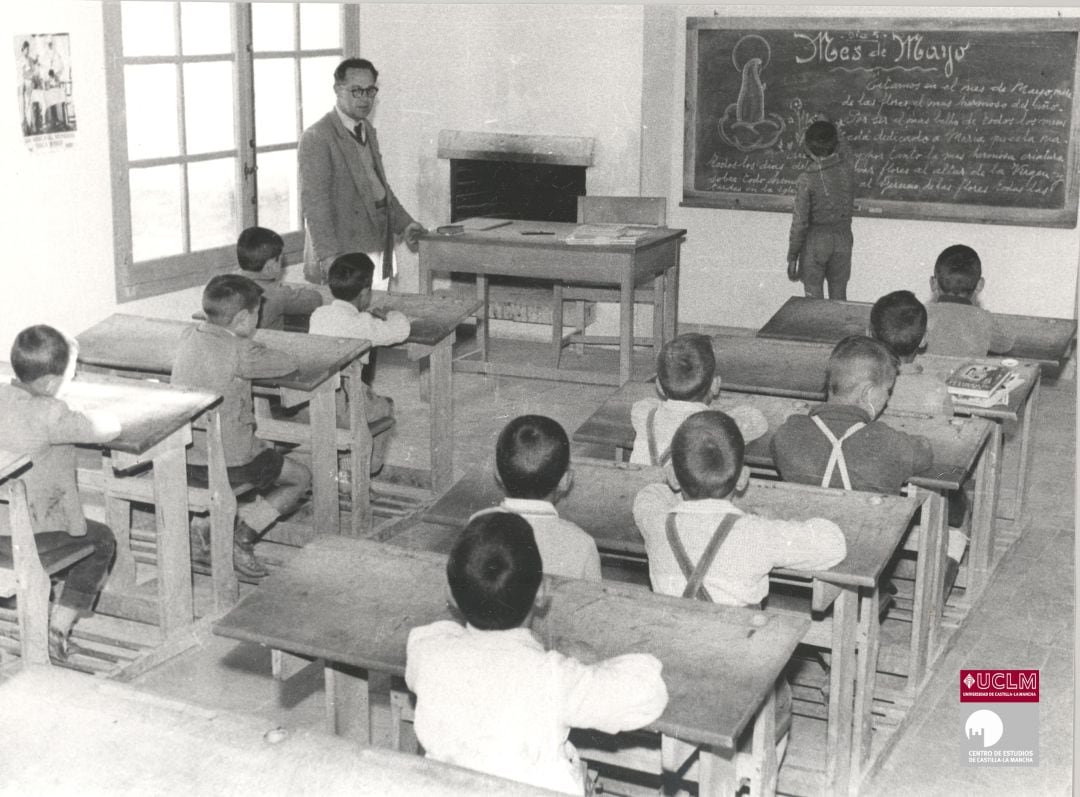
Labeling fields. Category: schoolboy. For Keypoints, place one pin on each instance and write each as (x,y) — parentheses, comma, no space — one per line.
(687,382)
(258,253)
(34,420)
(819,246)
(350,315)
(219,356)
(956,325)
(489,697)
(532,465)
(898,320)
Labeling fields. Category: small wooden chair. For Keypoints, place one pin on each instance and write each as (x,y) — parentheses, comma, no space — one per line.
(605,210)
(26,575)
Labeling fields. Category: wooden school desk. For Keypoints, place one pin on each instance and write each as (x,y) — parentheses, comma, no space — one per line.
(538,250)
(778,367)
(155,423)
(148,346)
(65,733)
(601,503)
(1049,341)
(353,603)
(433,320)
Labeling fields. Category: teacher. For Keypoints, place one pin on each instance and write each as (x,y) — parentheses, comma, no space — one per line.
(348,204)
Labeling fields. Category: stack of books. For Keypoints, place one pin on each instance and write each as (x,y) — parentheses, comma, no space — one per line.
(981,384)
(607,234)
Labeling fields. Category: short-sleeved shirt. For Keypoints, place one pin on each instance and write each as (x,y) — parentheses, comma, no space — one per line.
(956,327)
(213,359)
(879,458)
(46,429)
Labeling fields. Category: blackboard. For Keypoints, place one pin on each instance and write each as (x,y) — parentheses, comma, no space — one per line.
(964,120)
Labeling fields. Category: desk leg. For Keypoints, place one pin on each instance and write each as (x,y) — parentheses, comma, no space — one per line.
(175,600)
(929,582)
(1026,430)
(442,416)
(671,296)
(867,646)
(360,522)
(482,316)
(659,308)
(763,751)
(424,273)
(626,329)
(842,674)
(716,774)
(981,551)
(358,704)
(324,459)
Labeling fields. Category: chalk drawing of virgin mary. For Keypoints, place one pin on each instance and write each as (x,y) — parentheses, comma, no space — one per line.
(746,125)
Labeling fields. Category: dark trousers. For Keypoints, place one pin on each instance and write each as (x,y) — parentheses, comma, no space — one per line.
(84,579)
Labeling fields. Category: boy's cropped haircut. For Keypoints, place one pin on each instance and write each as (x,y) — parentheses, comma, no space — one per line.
(226,295)
(958,270)
(858,360)
(256,247)
(707,455)
(686,366)
(821,138)
(39,351)
(495,570)
(349,275)
(531,456)
(898,320)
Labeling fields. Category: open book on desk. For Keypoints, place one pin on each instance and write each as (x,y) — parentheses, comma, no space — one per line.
(608,234)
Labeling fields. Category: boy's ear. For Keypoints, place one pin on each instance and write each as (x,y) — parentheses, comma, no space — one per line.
(566,482)
(716,382)
(933,285)
(743,481)
(498,479)
(659,389)
(979,284)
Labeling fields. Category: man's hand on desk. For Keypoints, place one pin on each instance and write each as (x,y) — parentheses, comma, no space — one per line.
(378,312)
(412,234)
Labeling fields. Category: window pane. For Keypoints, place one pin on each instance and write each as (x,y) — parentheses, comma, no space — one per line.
(212,196)
(151,111)
(317,87)
(279,199)
(272,26)
(147,28)
(275,101)
(205,28)
(155,212)
(320,26)
(208,107)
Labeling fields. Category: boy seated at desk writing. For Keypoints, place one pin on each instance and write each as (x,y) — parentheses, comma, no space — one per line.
(532,465)
(956,325)
(258,253)
(703,535)
(687,381)
(489,697)
(350,315)
(34,420)
(218,355)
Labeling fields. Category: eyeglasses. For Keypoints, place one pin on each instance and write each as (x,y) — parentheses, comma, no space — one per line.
(358,91)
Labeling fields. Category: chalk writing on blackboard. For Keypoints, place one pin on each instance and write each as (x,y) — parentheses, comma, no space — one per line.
(972,124)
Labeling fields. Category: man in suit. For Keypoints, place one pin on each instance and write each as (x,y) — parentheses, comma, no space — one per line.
(348,204)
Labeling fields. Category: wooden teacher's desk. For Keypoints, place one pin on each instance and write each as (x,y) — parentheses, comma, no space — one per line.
(65,733)
(353,602)
(433,321)
(1049,341)
(601,503)
(155,422)
(538,250)
(148,345)
(778,367)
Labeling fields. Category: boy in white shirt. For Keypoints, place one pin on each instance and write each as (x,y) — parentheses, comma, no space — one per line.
(687,382)
(349,315)
(489,697)
(532,465)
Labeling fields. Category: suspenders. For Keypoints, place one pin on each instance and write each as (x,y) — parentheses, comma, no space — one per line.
(655,457)
(836,458)
(696,575)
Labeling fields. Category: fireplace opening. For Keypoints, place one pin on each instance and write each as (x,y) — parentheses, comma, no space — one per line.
(511,190)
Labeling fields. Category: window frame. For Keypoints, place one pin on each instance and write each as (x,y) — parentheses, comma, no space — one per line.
(173,272)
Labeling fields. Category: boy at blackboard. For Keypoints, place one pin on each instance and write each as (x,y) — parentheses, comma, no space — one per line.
(955,324)
(819,248)
(489,696)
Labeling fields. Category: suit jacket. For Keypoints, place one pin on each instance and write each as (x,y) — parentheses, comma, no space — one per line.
(336,193)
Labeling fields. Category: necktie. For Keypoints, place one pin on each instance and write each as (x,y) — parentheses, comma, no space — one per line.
(360,133)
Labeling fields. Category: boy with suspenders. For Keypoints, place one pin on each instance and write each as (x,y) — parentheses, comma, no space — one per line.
(733,551)
(687,382)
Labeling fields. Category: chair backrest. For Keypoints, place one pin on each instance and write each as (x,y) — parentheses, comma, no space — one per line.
(628,209)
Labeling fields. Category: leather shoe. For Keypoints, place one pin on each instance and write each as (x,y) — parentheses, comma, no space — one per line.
(61,648)
(246,563)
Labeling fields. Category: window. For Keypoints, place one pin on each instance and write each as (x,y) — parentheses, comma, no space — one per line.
(206,103)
